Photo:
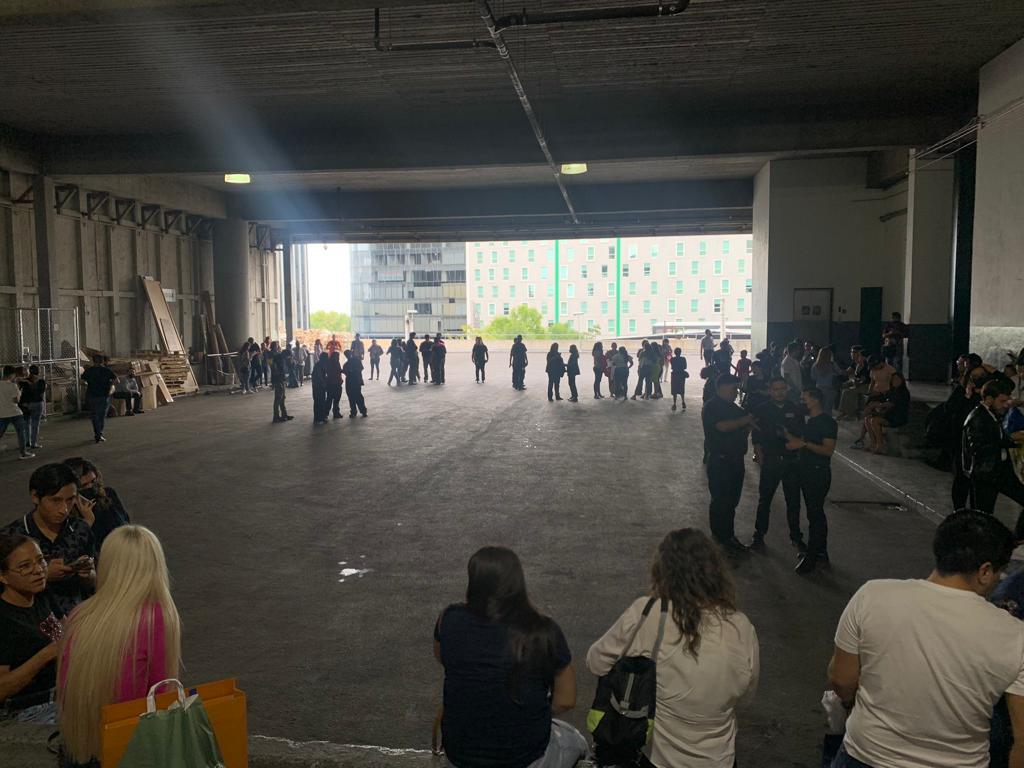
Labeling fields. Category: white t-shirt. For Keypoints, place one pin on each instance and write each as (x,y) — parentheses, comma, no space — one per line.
(933,662)
(10,393)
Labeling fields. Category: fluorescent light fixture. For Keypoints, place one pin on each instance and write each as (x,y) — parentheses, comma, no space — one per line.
(574,169)
(237,178)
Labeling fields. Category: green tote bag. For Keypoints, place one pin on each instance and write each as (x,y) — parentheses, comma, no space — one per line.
(177,737)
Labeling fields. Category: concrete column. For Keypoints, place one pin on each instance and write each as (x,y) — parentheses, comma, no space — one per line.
(997,280)
(759,261)
(288,273)
(45,209)
(963,245)
(231,279)
(928,268)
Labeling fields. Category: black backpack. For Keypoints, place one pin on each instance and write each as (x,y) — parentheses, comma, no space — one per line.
(622,717)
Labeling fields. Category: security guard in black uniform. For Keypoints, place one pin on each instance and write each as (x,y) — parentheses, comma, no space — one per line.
(816,448)
(778,464)
(725,434)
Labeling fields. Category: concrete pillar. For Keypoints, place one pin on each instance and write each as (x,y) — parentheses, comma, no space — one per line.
(231,279)
(928,268)
(44,206)
(963,245)
(760,260)
(997,280)
(288,287)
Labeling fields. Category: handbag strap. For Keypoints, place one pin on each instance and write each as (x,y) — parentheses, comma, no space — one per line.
(636,629)
(661,630)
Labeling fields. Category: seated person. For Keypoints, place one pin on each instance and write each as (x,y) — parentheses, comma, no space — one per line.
(507,670)
(107,512)
(29,632)
(127,389)
(893,411)
(64,539)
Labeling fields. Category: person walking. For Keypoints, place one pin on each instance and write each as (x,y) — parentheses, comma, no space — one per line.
(318,377)
(438,355)
(725,435)
(279,363)
(395,357)
(100,381)
(679,377)
(426,350)
(555,370)
(572,369)
(816,447)
(33,399)
(517,361)
(334,381)
(480,357)
(376,350)
(600,364)
(10,411)
(353,370)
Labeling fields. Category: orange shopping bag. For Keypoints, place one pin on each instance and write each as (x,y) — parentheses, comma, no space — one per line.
(224,704)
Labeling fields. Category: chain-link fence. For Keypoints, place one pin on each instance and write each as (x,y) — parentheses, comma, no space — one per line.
(47,338)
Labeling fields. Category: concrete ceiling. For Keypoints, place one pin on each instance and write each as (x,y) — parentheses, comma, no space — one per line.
(297,94)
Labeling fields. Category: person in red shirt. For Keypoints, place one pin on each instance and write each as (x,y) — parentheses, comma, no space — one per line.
(334,345)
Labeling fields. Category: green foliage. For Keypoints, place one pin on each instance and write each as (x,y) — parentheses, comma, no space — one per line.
(323,320)
(528,323)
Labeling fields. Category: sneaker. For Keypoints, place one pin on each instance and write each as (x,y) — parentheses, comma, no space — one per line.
(757,544)
(799,544)
(101,439)
(364,415)
(673,407)
(805,565)
(289,418)
(35,447)
(27,455)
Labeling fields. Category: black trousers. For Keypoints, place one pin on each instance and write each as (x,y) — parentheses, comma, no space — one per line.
(572,387)
(986,489)
(961,490)
(279,410)
(725,483)
(355,400)
(437,371)
(319,403)
(375,366)
(775,470)
(133,401)
(598,375)
(481,373)
(518,375)
(553,382)
(426,369)
(414,370)
(333,399)
(815,483)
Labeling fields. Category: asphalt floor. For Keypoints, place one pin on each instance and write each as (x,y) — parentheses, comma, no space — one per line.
(311,562)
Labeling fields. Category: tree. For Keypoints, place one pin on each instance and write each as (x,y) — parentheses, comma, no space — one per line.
(528,323)
(323,320)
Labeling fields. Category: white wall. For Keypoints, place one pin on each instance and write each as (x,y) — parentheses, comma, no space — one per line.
(997,280)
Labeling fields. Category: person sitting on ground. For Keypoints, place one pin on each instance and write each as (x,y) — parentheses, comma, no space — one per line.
(29,632)
(127,389)
(891,413)
(117,644)
(33,398)
(65,539)
(106,512)
(507,671)
(10,411)
(709,659)
(679,377)
(922,662)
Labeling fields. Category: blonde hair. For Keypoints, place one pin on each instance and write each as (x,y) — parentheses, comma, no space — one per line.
(103,631)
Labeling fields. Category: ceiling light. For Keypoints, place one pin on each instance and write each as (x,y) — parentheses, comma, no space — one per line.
(237,178)
(574,169)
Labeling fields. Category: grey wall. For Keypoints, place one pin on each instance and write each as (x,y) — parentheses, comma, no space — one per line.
(997,281)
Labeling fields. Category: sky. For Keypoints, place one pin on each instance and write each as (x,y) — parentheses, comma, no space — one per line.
(329,278)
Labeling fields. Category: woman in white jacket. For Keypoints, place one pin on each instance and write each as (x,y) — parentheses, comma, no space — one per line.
(708,660)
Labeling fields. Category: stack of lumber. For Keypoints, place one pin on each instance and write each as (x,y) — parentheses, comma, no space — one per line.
(171,374)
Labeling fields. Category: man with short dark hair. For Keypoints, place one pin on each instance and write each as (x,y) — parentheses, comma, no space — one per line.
(791,371)
(10,411)
(816,447)
(280,362)
(707,347)
(892,341)
(774,420)
(128,390)
(517,361)
(100,381)
(925,661)
(412,358)
(438,355)
(725,437)
(986,458)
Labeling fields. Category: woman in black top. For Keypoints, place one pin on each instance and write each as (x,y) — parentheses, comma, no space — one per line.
(555,370)
(507,670)
(573,370)
(33,393)
(107,512)
(894,412)
(30,629)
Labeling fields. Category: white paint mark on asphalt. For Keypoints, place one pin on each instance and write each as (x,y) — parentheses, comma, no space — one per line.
(360,572)
(388,751)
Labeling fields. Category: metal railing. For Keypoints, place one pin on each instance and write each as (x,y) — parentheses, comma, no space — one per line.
(49,338)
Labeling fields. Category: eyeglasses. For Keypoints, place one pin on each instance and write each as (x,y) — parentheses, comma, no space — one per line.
(27,570)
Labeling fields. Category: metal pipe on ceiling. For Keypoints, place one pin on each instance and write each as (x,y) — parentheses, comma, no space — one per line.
(655,10)
(517,84)
(433,45)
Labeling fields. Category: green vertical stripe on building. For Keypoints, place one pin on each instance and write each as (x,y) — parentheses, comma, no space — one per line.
(557,276)
(618,286)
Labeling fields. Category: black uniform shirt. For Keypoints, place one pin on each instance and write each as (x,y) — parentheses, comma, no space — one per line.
(74,540)
(24,632)
(519,353)
(773,421)
(817,429)
(730,444)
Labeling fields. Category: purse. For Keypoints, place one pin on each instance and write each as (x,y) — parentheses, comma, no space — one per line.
(621,718)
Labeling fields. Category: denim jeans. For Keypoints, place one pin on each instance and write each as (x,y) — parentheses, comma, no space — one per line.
(33,414)
(20,429)
(843,760)
(99,407)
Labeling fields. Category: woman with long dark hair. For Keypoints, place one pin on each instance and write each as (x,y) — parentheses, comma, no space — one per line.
(507,670)
(573,370)
(709,658)
(555,370)
(107,511)
(600,366)
(892,413)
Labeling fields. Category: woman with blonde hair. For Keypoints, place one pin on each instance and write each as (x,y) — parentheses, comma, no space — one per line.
(708,660)
(118,643)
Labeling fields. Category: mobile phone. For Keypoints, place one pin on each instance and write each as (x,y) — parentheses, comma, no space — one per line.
(80,563)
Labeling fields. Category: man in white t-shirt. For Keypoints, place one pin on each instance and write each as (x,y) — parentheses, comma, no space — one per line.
(925,661)
(790,368)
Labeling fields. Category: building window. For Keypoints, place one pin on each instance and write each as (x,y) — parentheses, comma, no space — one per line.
(725,286)
(694,267)
(647,307)
(490,275)
(750,286)
(632,289)
(625,307)
(590,289)
(525,272)
(611,251)
(476,311)
(570,290)
(632,326)
(604,307)
(725,247)
(583,271)
(479,257)
(583,307)
(479,291)
(611,289)
(680,249)
(531,291)
(551,254)
(543,273)
(718,266)
(494,257)
(702,286)
(647,269)
(741,305)
(654,251)
(505,273)
(564,308)
(694,305)
(611,325)
(544,309)
(750,246)
(590,253)
(531,255)
(604,270)
(672,269)
(671,306)
(551,291)
(563,273)
(494,291)
(511,291)
(654,287)
(679,286)
(718,306)
(476,275)
(569,324)
(625,270)
(741,265)
(703,248)
(490,310)
(511,257)
(505,309)
(632,251)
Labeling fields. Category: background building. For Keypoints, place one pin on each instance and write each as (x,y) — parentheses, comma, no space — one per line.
(624,286)
(390,280)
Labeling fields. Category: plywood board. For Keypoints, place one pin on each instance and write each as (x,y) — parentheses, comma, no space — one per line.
(166,329)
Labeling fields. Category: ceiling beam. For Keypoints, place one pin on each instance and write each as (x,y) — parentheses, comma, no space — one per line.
(70,9)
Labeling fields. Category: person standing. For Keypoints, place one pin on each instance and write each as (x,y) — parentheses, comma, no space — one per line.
(279,364)
(573,370)
(100,381)
(395,357)
(376,350)
(426,349)
(354,384)
(555,370)
(255,367)
(893,334)
(791,371)
(10,411)
(438,355)
(707,347)
(986,447)
(600,365)
(318,349)
(333,345)
(725,434)
(657,362)
(299,362)
(774,420)
(480,357)
(824,373)
(357,348)
(242,365)
(643,370)
(33,399)
(679,376)
(666,357)
(623,362)
(816,448)
(921,663)
(742,369)
(265,361)
(517,361)
(334,380)
(318,377)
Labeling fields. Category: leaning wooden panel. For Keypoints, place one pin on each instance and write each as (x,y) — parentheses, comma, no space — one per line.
(170,339)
